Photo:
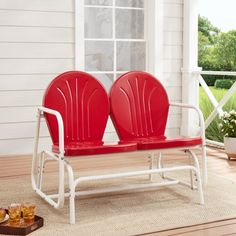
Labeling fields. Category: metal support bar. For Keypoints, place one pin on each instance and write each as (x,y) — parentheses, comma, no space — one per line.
(119,188)
(133,173)
(182,183)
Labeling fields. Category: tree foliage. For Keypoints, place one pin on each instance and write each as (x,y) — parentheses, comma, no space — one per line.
(216,49)
(225,50)
(207,29)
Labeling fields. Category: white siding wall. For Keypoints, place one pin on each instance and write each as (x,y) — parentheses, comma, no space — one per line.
(172,59)
(36,44)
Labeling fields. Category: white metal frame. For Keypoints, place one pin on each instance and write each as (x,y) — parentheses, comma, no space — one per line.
(201,134)
(39,162)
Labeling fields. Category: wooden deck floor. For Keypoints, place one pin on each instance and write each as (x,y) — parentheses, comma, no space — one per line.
(13,166)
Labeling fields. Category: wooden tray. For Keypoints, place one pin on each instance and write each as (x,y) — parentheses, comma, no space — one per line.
(21,229)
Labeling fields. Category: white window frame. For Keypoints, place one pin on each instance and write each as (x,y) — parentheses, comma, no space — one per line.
(153,36)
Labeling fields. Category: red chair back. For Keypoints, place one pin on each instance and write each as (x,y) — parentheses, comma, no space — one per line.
(83,104)
(139,106)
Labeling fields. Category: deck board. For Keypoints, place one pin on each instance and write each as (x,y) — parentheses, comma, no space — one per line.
(12,166)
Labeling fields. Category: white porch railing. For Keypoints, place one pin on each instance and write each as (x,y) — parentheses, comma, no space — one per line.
(217,105)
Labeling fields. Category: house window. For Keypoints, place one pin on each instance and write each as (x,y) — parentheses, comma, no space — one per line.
(114,38)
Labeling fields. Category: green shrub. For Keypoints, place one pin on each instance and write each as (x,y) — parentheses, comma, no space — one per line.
(224,84)
(211,79)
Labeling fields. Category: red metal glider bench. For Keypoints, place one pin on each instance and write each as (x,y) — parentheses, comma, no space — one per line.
(76,109)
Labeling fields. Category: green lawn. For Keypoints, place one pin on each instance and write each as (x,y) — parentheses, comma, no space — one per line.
(213,131)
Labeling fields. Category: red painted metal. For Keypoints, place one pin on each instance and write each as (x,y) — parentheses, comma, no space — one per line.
(139,111)
(83,104)
(88,149)
(169,143)
(139,106)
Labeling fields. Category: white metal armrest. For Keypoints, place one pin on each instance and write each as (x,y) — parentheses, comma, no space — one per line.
(200,115)
(60,125)
(60,156)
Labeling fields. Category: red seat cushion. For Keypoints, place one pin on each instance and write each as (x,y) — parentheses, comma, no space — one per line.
(169,143)
(88,149)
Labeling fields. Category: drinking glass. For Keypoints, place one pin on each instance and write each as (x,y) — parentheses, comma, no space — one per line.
(14,211)
(28,210)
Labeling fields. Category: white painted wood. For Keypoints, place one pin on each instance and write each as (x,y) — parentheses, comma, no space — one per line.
(32,18)
(29,66)
(173,52)
(172,59)
(175,110)
(231,73)
(79,35)
(25,82)
(21,98)
(36,44)
(17,114)
(172,132)
(218,110)
(173,10)
(110,126)
(190,124)
(37,50)
(174,93)
(110,137)
(173,121)
(174,1)
(22,146)
(38,5)
(154,34)
(21,130)
(215,144)
(209,93)
(172,79)
(173,24)
(173,38)
(36,34)
(172,65)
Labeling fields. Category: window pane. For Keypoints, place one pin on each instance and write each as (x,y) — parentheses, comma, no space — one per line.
(130,56)
(98,56)
(120,74)
(129,24)
(98,2)
(105,79)
(98,23)
(130,3)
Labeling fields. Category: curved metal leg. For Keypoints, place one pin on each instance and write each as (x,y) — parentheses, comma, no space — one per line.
(40,169)
(204,166)
(160,164)
(151,164)
(191,173)
(71,193)
(198,176)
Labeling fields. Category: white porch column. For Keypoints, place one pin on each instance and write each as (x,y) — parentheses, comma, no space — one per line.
(79,35)
(154,36)
(190,124)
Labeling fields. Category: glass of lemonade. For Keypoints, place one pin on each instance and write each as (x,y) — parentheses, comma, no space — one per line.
(14,211)
(28,210)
